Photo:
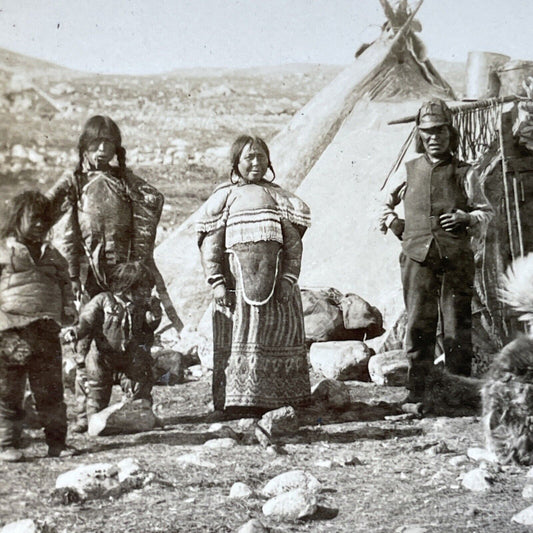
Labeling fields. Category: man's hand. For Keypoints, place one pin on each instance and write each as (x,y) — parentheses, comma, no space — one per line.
(70,335)
(397,226)
(455,220)
(220,295)
(283,290)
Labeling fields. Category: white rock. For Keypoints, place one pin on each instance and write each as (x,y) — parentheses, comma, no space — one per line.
(99,480)
(411,529)
(459,460)
(291,505)
(123,417)
(294,479)
(253,526)
(240,490)
(524,517)
(481,454)
(529,473)
(222,443)
(477,480)
(324,463)
(282,421)
(127,468)
(342,360)
(17,150)
(195,371)
(331,392)
(527,492)
(222,431)
(389,368)
(27,526)
(196,460)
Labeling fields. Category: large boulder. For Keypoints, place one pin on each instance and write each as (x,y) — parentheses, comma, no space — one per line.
(389,368)
(329,315)
(322,314)
(362,320)
(342,360)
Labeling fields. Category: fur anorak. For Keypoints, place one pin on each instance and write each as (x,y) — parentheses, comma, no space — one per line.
(30,289)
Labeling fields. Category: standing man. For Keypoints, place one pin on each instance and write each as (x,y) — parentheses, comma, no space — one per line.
(443,201)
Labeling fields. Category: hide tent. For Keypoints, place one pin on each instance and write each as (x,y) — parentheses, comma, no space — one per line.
(336,152)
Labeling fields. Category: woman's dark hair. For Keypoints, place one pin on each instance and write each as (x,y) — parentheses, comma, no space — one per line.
(129,276)
(238,146)
(33,201)
(99,127)
(454,141)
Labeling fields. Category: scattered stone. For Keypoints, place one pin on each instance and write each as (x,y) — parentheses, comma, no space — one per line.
(247,424)
(459,460)
(411,529)
(524,517)
(88,482)
(282,421)
(332,393)
(439,448)
(481,454)
(241,491)
(324,463)
(253,526)
(352,461)
(291,505)
(342,360)
(527,492)
(28,526)
(221,444)
(262,437)
(389,368)
(477,480)
(294,479)
(195,371)
(222,431)
(196,460)
(123,417)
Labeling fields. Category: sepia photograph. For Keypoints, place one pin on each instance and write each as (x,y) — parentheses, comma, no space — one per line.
(266,266)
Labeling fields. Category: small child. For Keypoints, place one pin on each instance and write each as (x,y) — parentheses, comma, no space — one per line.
(121,322)
(35,300)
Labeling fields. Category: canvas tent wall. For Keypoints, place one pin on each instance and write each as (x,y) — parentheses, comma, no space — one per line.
(339,143)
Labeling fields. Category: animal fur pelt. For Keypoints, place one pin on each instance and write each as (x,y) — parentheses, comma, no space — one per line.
(508,403)
(516,288)
(452,395)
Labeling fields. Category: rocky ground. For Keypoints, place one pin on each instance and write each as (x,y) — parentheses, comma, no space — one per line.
(377,470)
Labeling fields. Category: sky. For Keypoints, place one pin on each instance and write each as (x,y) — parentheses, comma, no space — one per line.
(153,36)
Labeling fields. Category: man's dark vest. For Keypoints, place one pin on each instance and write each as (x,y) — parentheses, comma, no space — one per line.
(432,190)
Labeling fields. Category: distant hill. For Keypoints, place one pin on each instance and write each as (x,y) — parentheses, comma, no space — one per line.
(454,73)
(20,64)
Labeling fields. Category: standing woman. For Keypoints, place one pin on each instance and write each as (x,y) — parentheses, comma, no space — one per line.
(250,240)
(111,217)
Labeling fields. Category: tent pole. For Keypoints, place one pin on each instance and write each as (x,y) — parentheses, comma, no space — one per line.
(518,217)
(506,190)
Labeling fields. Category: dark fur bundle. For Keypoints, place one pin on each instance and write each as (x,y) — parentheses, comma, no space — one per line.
(508,403)
(452,395)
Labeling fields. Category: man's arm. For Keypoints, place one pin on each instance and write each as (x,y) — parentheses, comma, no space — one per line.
(388,218)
